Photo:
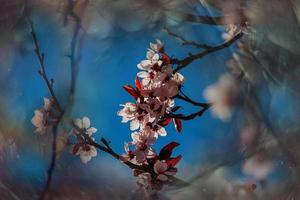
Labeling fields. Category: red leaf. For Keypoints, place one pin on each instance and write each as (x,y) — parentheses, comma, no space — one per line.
(131,91)
(166,121)
(138,85)
(165,58)
(76,148)
(174,161)
(177,124)
(166,152)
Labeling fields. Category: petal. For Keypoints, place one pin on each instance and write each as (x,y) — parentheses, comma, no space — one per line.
(85,158)
(162,131)
(78,123)
(140,156)
(142,74)
(135,136)
(134,124)
(160,167)
(91,130)
(93,152)
(47,104)
(86,122)
(162,177)
(144,64)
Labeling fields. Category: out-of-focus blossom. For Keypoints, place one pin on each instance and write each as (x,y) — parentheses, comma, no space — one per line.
(248,136)
(258,167)
(223,95)
(230,32)
(41,117)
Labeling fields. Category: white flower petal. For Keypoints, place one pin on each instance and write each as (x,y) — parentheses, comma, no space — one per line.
(78,123)
(142,74)
(162,131)
(91,130)
(134,124)
(47,104)
(86,122)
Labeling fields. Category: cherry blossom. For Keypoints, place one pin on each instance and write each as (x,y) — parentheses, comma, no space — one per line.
(41,117)
(84,150)
(162,169)
(156,85)
(84,125)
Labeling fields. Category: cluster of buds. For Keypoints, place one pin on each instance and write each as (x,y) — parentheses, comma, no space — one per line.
(156,85)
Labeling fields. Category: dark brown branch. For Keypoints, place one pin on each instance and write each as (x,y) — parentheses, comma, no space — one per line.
(220,20)
(185,98)
(190,116)
(184,41)
(42,71)
(188,60)
(40,57)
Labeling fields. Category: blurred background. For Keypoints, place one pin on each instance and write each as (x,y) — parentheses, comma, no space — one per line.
(245,147)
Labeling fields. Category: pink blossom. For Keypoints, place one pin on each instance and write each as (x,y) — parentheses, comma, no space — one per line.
(162,169)
(41,117)
(84,125)
(85,151)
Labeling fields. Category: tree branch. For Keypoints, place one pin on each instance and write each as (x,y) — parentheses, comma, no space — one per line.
(42,71)
(188,60)
(184,41)
(220,20)
(190,116)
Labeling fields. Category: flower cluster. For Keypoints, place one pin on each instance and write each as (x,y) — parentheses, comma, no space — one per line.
(156,85)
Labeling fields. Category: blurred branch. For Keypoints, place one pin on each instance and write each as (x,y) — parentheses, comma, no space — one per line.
(184,41)
(40,56)
(220,20)
(188,60)
(42,71)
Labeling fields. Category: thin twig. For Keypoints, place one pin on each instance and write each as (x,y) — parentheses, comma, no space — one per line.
(185,98)
(190,116)
(42,71)
(186,61)
(184,41)
(220,20)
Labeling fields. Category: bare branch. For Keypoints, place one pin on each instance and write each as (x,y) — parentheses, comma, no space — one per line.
(184,41)
(188,60)
(187,99)
(190,116)
(42,71)
(220,20)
